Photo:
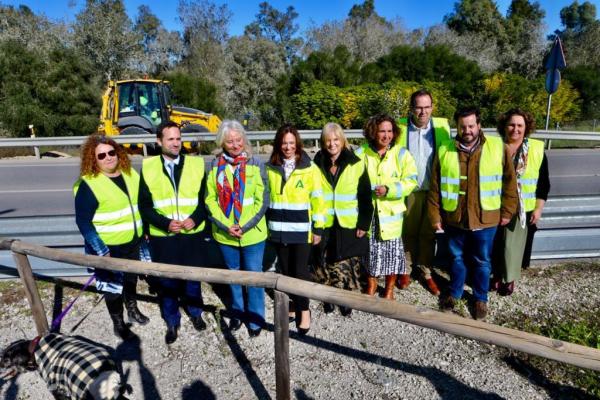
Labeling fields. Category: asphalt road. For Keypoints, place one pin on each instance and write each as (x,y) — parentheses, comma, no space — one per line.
(30,187)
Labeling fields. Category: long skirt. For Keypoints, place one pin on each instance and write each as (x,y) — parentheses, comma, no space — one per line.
(509,246)
(386,257)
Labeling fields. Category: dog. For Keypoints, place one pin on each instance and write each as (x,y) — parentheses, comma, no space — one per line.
(72,367)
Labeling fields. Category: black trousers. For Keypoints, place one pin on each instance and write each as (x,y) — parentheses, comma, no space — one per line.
(114,301)
(293,260)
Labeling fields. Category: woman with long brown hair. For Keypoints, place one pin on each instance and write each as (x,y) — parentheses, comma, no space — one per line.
(513,242)
(393,175)
(294,216)
(106,213)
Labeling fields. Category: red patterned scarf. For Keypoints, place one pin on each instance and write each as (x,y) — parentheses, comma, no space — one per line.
(232,198)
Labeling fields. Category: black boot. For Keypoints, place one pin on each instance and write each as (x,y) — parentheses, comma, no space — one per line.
(134,313)
(121,329)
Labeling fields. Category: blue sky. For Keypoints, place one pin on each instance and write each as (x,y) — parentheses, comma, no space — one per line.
(413,13)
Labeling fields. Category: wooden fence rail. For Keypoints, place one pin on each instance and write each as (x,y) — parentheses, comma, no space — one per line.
(552,349)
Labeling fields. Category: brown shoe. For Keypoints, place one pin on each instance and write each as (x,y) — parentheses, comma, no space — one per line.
(432,287)
(390,281)
(371,285)
(447,303)
(480,310)
(403,281)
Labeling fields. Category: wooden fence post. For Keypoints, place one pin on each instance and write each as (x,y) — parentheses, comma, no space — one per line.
(282,346)
(31,290)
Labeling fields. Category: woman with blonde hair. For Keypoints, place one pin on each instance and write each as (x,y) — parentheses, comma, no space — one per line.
(347,197)
(106,213)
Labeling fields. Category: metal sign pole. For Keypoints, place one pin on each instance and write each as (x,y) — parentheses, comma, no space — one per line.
(548,111)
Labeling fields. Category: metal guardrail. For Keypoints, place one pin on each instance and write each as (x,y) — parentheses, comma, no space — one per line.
(570,228)
(257,135)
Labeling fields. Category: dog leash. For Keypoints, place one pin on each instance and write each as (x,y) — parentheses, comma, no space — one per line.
(59,318)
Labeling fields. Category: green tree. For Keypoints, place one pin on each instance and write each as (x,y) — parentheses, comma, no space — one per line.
(253,67)
(316,104)
(161,49)
(504,91)
(205,26)
(577,17)
(338,68)
(476,16)
(523,52)
(586,79)
(277,26)
(193,91)
(55,93)
(581,36)
(34,31)
(104,34)
(436,63)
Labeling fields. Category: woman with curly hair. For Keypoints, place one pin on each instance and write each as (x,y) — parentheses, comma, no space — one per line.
(512,245)
(393,175)
(106,213)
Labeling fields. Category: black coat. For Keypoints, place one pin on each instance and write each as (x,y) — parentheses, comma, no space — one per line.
(341,243)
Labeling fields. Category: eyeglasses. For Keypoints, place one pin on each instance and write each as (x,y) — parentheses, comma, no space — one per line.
(102,156)
(421,109)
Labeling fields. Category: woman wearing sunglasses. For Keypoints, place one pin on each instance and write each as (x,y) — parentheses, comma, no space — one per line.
(106,213)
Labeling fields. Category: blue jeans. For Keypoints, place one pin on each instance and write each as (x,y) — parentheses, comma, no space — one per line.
(248,258)
(176,292)
(476,248)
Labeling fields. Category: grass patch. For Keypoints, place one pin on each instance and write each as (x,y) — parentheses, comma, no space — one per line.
(582,327)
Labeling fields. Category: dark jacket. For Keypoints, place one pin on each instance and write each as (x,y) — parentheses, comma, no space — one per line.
(341,243)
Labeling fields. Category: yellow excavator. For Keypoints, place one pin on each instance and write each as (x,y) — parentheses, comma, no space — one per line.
(138,106)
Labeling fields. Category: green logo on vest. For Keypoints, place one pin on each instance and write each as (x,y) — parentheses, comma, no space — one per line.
(299,185)
(395,174)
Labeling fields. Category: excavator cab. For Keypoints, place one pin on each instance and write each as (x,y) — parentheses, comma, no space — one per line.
(138,106)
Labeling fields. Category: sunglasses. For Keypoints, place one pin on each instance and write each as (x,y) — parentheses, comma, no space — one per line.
(102,156)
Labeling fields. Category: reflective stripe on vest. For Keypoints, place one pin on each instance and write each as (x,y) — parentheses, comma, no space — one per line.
(342,201)
(529,180)
(394,166)
(490,174)
(174,205)
(117,218)
(295,199)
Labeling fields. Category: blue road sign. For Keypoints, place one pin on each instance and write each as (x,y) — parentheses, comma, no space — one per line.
(556,59)
(552,80)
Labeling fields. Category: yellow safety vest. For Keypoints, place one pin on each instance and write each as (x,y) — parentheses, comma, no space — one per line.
(117,219)
(398,172)
(167,202)
(490,174)
(529,179)
(441,130)
(342,202)
(294,204)
(252,204)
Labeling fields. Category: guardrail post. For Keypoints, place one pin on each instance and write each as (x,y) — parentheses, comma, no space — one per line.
(36,149)
(31,290)
(282,346)
(144,150)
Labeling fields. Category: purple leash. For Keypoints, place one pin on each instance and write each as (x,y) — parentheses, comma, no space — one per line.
(59,318)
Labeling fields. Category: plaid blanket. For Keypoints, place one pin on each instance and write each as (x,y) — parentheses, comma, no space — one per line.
(69,365)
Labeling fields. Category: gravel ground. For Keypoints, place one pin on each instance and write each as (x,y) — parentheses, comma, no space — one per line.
(357,357)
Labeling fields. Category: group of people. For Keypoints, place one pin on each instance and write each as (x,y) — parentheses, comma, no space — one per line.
(345,218)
